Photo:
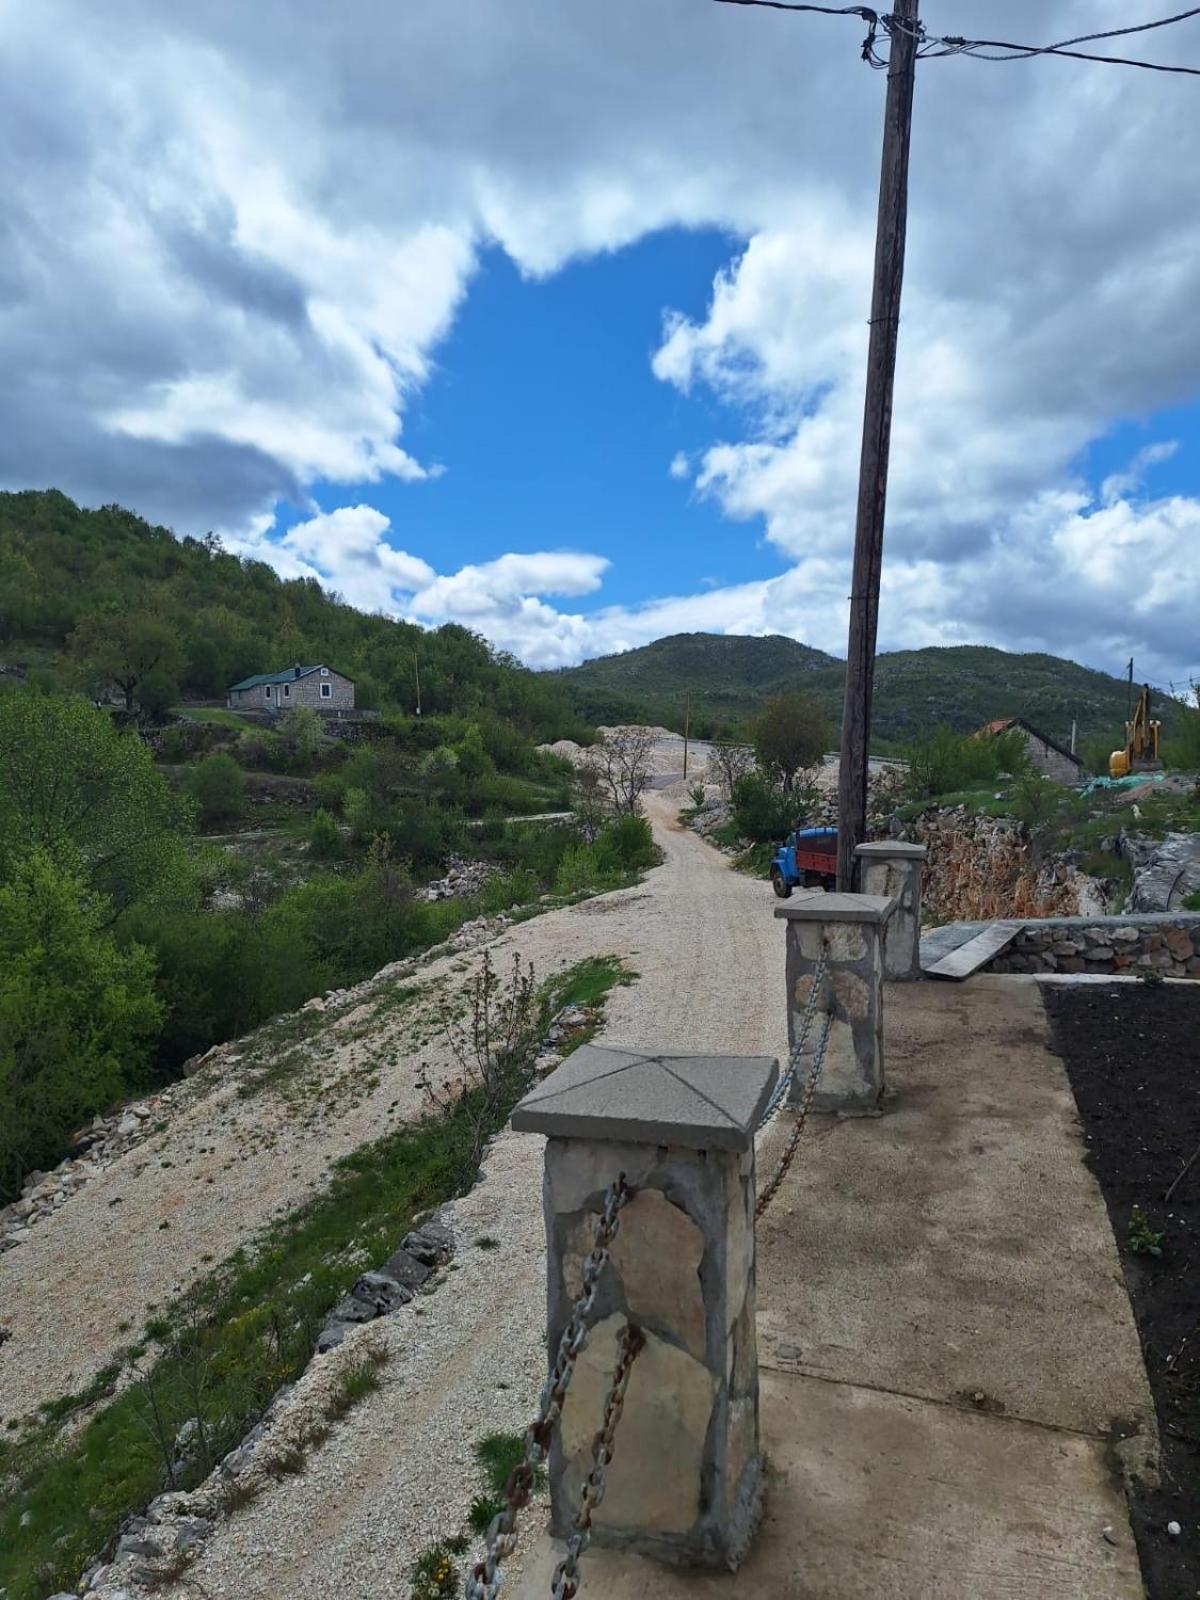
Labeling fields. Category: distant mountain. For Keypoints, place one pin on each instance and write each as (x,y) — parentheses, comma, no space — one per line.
(729,677)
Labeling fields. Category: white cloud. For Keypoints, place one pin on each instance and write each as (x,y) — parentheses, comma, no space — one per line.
(220,284)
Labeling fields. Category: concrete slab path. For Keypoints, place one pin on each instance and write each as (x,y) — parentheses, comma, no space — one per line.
(947,1346)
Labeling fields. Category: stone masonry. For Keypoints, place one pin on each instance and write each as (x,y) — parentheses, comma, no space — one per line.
(1168,943)
(892,868)
(848,928)
(685,1482)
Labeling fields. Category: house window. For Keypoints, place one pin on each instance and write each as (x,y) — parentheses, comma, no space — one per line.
(326,691)
(324,672)
(267,691)
(287,691)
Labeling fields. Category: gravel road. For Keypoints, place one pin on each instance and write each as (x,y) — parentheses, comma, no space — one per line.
(255,1133)
(399,1473)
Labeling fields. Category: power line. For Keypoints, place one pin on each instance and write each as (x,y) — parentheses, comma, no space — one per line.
(931,47)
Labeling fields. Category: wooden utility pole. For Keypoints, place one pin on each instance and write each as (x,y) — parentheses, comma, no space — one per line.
(687,722)
(877,434)
(417,673)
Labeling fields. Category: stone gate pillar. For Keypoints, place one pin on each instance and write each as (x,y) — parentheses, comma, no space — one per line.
(892,867)
(685,1482)
(847,929)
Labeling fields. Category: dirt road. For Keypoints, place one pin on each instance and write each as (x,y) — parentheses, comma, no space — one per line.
(256,1132)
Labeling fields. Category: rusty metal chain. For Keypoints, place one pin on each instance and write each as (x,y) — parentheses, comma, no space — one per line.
(789,1150)
(484,1582)
(565,1583)
(797,1050)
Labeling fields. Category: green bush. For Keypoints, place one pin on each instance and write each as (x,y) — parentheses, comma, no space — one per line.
(78,1014)
(505,889)
(217,786)
(330,790)
(324,840)
(943,761)
(579,871)
(631,842)
(761,812)
(1182,749)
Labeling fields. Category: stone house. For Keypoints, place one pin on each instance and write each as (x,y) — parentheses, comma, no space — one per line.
(1048,758)
(318,687)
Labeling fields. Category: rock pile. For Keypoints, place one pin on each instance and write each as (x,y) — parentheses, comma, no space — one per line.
(379,1293)
(1167,945)
(462,880)
(1165,871)
(94,1149)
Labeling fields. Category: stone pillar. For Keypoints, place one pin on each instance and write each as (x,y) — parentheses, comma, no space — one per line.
(849,929)
(685,1482)
(892,867)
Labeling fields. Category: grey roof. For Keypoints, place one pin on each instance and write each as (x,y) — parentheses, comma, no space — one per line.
(702,1102)
(288,675)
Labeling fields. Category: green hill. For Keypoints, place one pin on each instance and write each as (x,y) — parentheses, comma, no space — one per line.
(224,618)
(728,678)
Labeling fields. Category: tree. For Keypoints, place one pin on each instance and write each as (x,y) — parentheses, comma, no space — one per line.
(726,764)
(301,731)
(90,796)
(126,647)
(77,1012)
(621,762)
(218,788)
(789,733)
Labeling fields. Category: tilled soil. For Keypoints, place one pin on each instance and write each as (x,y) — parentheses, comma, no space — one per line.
(1133,1056)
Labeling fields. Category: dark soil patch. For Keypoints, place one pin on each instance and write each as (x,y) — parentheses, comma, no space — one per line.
(1133,1056)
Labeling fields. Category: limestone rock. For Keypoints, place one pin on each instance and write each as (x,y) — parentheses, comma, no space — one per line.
(655,1477)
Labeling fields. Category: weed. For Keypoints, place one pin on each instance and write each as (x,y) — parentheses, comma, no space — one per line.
(484,1509)
(1152,978)
(498,1454)
(486,1242)
(354,1383)
(435,1577)
(1141,1237)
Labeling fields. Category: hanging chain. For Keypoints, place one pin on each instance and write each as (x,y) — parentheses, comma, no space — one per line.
(484,1582)
(797,1050)
(565,1583)
(789,1150)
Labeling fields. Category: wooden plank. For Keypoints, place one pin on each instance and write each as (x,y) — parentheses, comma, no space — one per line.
(969,957)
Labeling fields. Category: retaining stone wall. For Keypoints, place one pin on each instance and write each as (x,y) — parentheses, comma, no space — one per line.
(1165,943)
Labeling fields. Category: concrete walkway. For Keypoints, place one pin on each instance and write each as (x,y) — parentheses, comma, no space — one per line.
(946,1343)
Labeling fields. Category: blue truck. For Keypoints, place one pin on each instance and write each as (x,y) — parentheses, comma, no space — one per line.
(808,860)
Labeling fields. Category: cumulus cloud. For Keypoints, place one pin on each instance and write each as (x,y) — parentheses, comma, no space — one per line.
(222,284)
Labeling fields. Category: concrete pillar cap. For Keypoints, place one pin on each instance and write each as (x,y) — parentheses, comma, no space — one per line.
(892,847)
(838,908)
(701,1102)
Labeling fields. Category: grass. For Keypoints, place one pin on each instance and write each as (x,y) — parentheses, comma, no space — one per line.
(244,1331)
(221,717)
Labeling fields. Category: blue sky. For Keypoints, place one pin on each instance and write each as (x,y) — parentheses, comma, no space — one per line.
(551,320)
(553,431)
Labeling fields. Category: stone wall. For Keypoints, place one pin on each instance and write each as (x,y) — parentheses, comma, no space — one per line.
(1167,943)
(1051,762)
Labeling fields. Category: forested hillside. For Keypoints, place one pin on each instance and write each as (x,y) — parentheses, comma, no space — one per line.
(172,874)
(190,619)
(964,686)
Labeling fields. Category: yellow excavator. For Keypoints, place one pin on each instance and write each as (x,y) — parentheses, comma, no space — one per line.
(1142,734)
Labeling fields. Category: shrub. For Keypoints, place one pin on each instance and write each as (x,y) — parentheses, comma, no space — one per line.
(631,842)
(330,790)
(77,1013)
(943,762)
(579,870)
(300,733)
(761,812)
(218,788)
(505,889)
(324,840)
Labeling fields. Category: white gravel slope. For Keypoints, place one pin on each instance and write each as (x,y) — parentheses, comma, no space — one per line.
(709,956)
(399,1473)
